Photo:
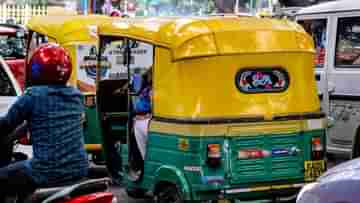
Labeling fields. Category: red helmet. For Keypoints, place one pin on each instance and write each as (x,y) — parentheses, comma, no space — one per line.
(49,64)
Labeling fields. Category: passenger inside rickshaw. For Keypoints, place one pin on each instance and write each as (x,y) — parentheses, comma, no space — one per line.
(127,86)
(142,107)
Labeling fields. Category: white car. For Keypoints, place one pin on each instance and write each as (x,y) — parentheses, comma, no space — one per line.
(9,90)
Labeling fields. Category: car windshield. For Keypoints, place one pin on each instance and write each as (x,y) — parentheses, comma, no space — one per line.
(12,44)
(202,7)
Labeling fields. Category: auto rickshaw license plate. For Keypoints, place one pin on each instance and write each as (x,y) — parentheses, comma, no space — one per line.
(313,169)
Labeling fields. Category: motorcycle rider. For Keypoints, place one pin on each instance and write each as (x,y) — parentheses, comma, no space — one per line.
(53,112)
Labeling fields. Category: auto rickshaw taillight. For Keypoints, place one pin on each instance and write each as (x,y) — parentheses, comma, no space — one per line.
(213,155)
(317,149)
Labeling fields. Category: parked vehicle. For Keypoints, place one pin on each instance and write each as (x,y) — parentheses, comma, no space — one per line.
(12,49)
(235,112)
(335,27)
(9,90)
(77,34)
(338,184)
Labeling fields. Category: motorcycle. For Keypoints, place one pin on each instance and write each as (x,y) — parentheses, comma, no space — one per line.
(83,191)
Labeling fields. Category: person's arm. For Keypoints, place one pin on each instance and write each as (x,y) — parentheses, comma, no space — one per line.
(19,112)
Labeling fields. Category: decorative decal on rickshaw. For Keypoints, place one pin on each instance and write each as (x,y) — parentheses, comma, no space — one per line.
(262,80)
(183,144)
(89,63)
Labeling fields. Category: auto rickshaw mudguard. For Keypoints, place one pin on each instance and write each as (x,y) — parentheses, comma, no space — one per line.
(175,176)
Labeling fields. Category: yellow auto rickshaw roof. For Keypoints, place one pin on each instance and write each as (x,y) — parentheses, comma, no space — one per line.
(67,28)
(216,35)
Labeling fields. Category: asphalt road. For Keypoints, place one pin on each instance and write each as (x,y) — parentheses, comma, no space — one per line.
(123,198)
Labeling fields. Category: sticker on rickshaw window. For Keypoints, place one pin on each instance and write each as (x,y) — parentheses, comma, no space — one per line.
(262,80)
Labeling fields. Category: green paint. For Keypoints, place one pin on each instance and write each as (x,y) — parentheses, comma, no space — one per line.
(165,161)
(92,130)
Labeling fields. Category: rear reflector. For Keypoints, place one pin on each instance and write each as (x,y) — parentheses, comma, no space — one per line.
(213,155)
(317,149)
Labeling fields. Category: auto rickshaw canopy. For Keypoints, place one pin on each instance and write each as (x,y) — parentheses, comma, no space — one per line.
(68,31)
(210,36)
(67,28)
(199,63)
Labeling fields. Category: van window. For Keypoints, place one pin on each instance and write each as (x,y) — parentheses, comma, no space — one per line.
(317,29)
(6,87)
(348,43)
(35,41)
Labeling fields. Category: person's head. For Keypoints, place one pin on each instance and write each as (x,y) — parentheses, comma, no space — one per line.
(147,78)
(49,64)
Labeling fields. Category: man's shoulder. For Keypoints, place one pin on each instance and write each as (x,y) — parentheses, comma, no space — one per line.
(28,91)
(53,90)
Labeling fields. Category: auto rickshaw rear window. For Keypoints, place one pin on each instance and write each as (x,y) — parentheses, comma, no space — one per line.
(262,80)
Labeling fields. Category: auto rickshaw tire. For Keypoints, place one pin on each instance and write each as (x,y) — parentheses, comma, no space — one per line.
(355,152)
(136,193)
(167,193)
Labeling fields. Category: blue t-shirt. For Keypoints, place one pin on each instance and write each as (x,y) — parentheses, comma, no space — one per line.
(53,114)
(143,102)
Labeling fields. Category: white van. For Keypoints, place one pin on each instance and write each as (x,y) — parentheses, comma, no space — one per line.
(335,27)
(9,88)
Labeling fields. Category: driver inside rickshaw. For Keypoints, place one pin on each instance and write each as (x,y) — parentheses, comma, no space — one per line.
(142,107)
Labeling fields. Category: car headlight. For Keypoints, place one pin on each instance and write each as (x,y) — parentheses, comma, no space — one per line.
(306,195)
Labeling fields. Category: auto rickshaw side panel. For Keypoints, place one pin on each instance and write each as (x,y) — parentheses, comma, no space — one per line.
(281,170)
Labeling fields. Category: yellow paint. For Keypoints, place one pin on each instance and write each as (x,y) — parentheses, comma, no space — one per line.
(258,189)
(209,86)
(197,59)
(234,129)
(279,187)
(188,37)
(312,175)
(66,28)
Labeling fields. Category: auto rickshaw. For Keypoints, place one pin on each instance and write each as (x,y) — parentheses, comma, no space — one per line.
(234,109)
(77,34)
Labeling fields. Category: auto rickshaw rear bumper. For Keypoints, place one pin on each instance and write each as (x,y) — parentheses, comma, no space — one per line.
(251,193)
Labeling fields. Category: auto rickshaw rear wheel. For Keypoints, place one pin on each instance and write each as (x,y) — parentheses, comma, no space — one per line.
(167,193)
